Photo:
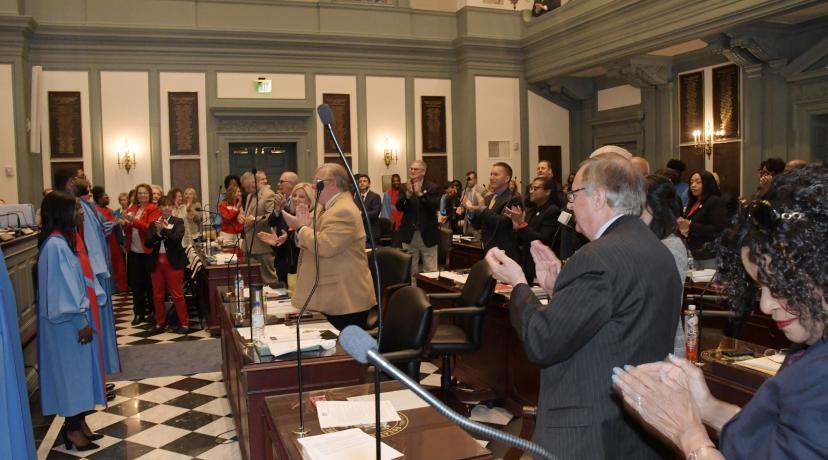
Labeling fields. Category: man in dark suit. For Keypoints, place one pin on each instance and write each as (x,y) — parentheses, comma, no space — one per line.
(495,227)
(373,204)
(419,201)
(616,302)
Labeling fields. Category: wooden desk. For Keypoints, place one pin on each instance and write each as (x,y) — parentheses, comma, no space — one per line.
(464,254)
(501,363)
(250,379)
(427,434)
(215,275)
(21,261)
(726,380)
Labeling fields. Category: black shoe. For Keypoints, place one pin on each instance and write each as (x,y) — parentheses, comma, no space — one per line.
(137,320)
(110,395)
(110,386)
(157,329)
(68,444)
(183,330)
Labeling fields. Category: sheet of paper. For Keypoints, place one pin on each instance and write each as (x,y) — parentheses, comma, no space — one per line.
(225,258)
(495,415)
(457,277)
(284,347)
(702,276)
(280,332)
(353,444)
(432,275)
(767,364)
(334,414)
(401,399)
(280,308)
(270,292)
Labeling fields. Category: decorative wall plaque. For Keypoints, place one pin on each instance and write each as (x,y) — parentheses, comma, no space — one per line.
(691,104)
(726,100)
(434,124)
(341,110)
(183,116)
(65,135)
(186,173)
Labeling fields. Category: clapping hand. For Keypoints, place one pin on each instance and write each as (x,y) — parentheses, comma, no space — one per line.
(683,225)
(301,219)
(504,269)
(547,265)
(279,202)
(271,238)
(516,213)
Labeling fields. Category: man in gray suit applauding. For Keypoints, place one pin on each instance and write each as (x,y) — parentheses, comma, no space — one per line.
(615,302)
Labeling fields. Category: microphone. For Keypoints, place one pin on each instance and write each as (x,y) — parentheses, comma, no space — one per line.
(200,209)
(16,216)
(357,343)
(320,186)
(325,114)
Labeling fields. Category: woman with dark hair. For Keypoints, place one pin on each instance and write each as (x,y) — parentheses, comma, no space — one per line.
(138,218)
(545,201)
(704,219)
(781,244)
(69,353)
(661,210)
(166,262)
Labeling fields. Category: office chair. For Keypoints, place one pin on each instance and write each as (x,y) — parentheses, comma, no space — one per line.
(444,247)
(395,272)
(465,335)
(405,329)
(386,226)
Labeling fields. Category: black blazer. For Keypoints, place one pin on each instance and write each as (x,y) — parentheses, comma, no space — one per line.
(172,245)
(419,213)
(495,228)
(615,302)
(706,224)
(286,255)
(543,226)
(373,203)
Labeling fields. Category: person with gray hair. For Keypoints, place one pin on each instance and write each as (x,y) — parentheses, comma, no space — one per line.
(615,302)
(419,201)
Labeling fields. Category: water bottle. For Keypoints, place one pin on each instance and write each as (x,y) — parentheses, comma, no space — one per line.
(691,333)
(257,319)
(690,263)
(239,285)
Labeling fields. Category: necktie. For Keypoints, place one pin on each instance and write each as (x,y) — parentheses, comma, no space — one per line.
(492,201)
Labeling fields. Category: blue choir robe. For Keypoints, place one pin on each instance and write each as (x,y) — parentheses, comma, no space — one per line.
(71,377)
(98,249)
(16,438)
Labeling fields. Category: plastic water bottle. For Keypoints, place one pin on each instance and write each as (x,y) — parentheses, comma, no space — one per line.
(691,265)
(691,333)
(257,319)
(239,285)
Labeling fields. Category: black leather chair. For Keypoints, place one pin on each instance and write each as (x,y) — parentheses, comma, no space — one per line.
(444,247)
(465,335)
(405,329)
(395,272)
(386,226)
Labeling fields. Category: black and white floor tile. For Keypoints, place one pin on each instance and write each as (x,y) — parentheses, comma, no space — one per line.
(129,335)
(175,417)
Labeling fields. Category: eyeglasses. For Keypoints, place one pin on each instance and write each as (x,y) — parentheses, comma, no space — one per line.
(764,215)
(570,195)
(532,188)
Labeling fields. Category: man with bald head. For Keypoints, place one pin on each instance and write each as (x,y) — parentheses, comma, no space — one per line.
(615,302)
(281,200)
(641,164)
(793,164)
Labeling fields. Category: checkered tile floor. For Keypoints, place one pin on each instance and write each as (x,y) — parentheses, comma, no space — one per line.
(129,335)
(176,417)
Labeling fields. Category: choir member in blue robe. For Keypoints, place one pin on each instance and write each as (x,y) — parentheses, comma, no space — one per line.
(94,231)
(71,376)
(16,439)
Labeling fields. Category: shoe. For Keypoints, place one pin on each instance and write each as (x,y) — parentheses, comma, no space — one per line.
(157,329)
(88,431)
(137,320)
(110,395)
(183,330)
(68,444)
(110,386)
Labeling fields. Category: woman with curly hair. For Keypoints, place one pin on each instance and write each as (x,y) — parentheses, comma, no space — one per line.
(782,247)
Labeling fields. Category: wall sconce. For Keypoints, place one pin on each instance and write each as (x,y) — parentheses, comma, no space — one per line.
(389,155)
(704,145)
(126,158)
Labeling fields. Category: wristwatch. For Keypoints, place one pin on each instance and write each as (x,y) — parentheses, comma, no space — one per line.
(696,454)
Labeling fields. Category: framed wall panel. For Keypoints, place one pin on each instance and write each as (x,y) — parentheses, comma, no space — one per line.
(183,107)
(186,173)
(726,100)
(727,163)
(434,124)
(691,104)
(340,105)
(65,133)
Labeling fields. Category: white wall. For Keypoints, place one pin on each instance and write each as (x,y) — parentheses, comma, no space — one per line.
(385,106)
(242,86)
(338,84)
(618,96)
(432,87)
(66,81)
(8,146)
(548,125)
(184,82)
(125,118)
(497,118)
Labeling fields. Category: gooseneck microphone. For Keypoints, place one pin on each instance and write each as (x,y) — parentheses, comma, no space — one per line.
(364,349)
(300,430)
(326,117)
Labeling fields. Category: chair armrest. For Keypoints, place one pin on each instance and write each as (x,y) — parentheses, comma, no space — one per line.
(460,311)
(444,295)
(403,355)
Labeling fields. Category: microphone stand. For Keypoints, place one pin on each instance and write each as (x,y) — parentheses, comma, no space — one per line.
(250,248)
(326,118)
(301,431)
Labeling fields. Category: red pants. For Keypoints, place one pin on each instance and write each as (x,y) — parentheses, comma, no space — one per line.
(166,278)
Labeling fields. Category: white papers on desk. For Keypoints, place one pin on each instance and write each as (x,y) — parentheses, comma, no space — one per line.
(280,308)
(280,332)
(431,275)
(225,258)
(456,277)
(283,347)
(353,444)
(495,415)
(767,364)
(333,414)
(269,292)
(401,399)
(702,276)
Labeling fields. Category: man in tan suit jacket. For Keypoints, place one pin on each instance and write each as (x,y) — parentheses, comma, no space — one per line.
(345,292)
(257,208)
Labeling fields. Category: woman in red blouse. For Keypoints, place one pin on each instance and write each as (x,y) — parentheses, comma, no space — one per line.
(229,210)
(138,218)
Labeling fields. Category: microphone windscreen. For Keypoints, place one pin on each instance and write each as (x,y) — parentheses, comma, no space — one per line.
(199,209)
(320,186)
(325,115)
(564,217)
(356,342)
(255,171)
